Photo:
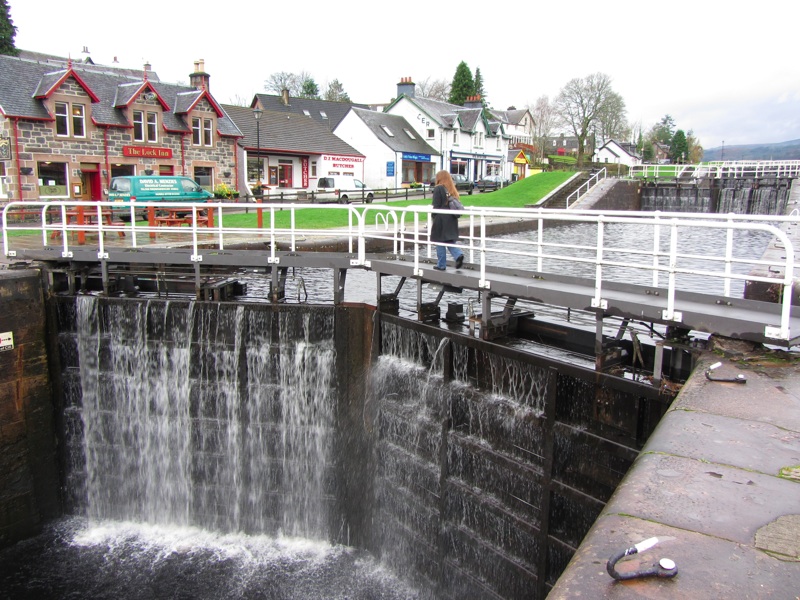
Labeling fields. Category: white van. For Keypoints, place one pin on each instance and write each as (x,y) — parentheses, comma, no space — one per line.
(343,189)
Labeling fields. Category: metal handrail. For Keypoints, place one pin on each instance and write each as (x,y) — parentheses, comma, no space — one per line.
(407,229)
(718,169)
(589,184)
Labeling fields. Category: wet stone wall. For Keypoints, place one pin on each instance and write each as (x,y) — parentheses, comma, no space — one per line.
(493,465)
(747,196)
(469,468)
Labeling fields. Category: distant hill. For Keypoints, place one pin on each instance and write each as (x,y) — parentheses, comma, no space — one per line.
(780,151)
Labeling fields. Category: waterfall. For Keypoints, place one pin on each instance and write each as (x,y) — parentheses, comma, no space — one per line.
(217,416)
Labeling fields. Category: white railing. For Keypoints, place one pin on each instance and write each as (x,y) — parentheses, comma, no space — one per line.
(657,249)
(584,189)
(719,169)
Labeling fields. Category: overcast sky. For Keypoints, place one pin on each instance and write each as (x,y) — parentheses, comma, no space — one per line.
(725,70)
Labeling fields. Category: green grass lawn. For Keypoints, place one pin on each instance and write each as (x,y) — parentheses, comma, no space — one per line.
(525,192)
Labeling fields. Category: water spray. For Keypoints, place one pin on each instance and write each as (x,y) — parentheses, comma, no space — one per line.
(665,567)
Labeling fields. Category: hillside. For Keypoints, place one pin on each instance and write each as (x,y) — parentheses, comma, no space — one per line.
(780,151)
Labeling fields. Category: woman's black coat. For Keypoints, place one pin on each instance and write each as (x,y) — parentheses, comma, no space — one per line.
(445,227)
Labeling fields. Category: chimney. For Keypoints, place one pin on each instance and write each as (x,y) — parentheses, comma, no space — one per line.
(473,102)
(199,79)
(285,96)
(406,87)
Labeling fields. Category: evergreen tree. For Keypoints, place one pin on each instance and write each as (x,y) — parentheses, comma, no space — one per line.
(663,131)
(679,148)
(310,89)
(463,85)
(479,91)
(336,93)
(7,31)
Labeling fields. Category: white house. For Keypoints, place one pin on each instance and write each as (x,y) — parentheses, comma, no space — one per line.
(469,141)
(617,153)
(518,124)
(395,152)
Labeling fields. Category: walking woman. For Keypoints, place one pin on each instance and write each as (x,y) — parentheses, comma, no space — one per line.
(445,226)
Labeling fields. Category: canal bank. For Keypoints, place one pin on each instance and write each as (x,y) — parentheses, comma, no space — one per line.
(718,482)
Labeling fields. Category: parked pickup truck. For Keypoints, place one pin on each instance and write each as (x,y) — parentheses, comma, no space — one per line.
(342,189)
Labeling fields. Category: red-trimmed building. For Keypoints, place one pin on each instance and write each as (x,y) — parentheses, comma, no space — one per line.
(66,128)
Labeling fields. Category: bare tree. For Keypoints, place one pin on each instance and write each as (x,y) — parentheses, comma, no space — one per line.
(544,119)
(579,105)
(612,119)
(277,82)
(238,100)
(437,89)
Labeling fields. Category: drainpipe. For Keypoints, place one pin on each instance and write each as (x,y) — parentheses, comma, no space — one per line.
(183,154)
(105,150)
(15,123)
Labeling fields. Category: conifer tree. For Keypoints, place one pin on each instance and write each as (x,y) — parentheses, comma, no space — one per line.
(479,91)
(7,31)
(463,85)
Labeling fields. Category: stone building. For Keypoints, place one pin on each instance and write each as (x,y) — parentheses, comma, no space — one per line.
(67,128)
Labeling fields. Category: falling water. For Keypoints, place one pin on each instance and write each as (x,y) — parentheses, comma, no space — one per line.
(218,418)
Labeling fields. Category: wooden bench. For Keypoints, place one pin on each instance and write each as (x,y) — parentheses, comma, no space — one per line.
(176,221)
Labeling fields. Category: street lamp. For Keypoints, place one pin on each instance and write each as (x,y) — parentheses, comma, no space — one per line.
(257,112)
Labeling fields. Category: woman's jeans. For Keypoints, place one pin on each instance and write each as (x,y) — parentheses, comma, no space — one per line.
(441,254)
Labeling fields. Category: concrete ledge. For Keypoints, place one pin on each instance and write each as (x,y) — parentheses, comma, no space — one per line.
(710,481)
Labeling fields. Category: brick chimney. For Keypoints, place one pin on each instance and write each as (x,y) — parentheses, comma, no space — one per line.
(406,87)
(285,96)
(199,79)
(473,102)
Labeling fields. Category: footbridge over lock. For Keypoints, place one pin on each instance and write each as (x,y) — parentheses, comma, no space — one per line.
(682,272)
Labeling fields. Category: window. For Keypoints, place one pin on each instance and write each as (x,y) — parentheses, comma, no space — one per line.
(323,114)
(196,125)
(387,130)
(3,189)
(138,126)
(431,133)
(201,132)
(313,168)
(253,164)
(455,138)
(52,179)
(204,176)
(62,120)
(78,121)
(152,127)
(70,120)
(306,113)
(409,134)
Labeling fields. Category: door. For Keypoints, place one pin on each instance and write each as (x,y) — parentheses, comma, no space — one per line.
(285,176)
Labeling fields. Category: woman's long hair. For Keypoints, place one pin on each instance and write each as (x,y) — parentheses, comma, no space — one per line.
(443,178)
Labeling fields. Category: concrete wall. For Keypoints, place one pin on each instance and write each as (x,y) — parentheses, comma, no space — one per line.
(29,489)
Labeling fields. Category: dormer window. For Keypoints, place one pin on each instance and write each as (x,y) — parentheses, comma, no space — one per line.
(145,126)
(202,132)
(70,120)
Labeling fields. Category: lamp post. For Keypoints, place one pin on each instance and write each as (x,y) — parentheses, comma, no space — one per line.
(257,112)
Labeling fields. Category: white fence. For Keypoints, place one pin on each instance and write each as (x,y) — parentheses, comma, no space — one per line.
(654,250)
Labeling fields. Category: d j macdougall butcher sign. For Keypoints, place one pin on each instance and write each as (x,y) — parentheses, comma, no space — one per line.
(343,162)
(147,152)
